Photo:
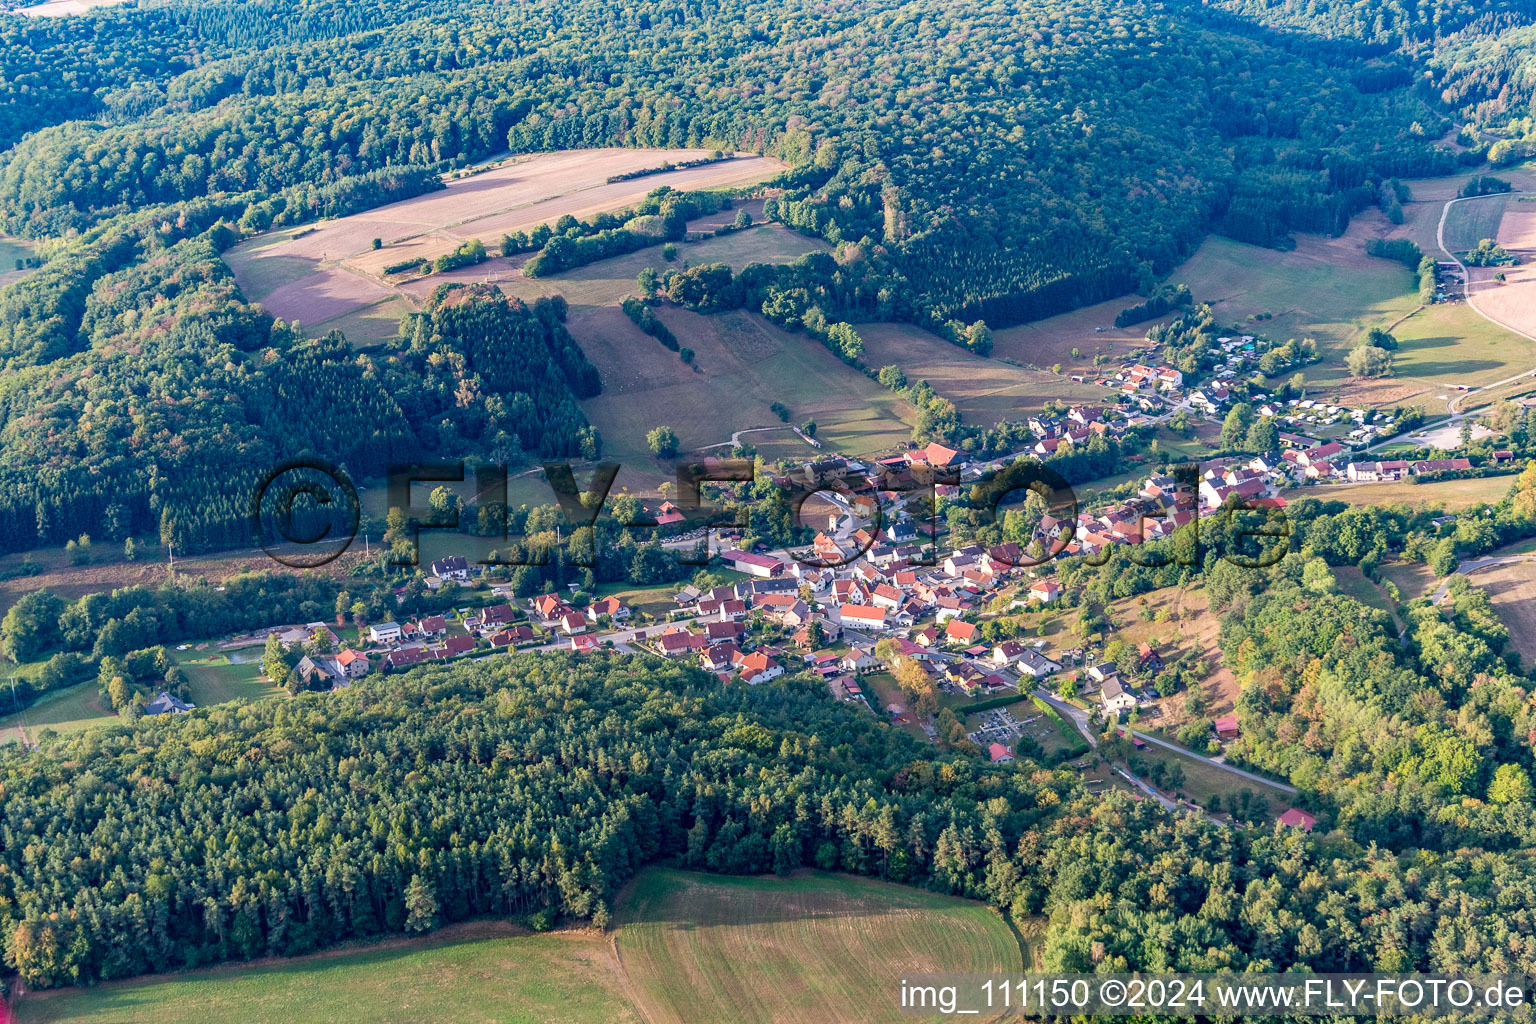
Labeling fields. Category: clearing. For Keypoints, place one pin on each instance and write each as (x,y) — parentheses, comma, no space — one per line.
(813,947)
(482,971)
(318,275)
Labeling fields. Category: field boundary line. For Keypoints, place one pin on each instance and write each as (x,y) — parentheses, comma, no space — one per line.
(1454,405)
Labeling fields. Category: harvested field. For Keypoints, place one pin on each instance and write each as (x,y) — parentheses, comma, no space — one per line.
(313,275)
(1449,494)
(1472,220)
(1512,587)
(1512,301)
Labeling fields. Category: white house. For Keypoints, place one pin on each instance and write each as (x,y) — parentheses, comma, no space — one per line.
(1115,697)
(384,633)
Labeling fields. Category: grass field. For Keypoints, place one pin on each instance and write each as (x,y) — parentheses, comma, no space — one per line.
(1451,494)
(213,679)
(1203,781)
(687,947)
(985,391)
(474,973)
(1325,288)
(814,948)
(68,710)
(1328,289)
(1471,221)
(11,250)
(1354,583)
(1413,579)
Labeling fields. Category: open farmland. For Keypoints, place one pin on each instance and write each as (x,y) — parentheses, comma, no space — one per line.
(1451,494)
(1512,588)
(1511,301)
(687,947)
(742,364)
(1325,288)
(812,948)
(1090,330)
(318,275)
(985,391)
(477,972)
(1471,220)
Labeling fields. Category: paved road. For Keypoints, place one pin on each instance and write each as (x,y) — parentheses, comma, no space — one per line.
(1474,564)
(1261,780)
(1077,715)
(1466,275)
(1080,719)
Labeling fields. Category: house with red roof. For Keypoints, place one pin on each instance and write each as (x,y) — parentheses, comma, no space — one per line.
(960,632)
(1295,817)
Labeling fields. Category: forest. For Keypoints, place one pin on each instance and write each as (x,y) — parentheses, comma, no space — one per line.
(975,166)
(531,784)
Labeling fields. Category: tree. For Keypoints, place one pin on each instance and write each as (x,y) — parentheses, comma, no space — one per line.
(663,442)
(646,282)
(1367,360)
(1263,436)
(420,905)
(1317,577)
(31,626)
(274,659)
(1234,429)
(743,220)
(1510,785)
(808,428)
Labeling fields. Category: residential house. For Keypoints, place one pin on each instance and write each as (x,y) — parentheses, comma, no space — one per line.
(720,657)
(757,667)
(166,704)
(406,657)
(1295,817)
(999,753)
(514,637)
(1426,466)
(454,646)
(724,632)
(957,631)
(860,616)
(1115,696)
(612,607)
(1226,727)
(1045,591)
(384,633)
(1033,663)
(680,644)
(454,567)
